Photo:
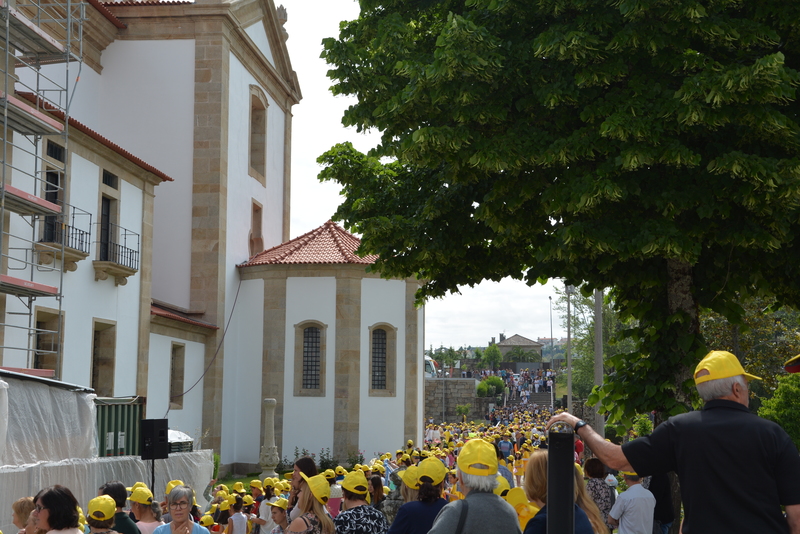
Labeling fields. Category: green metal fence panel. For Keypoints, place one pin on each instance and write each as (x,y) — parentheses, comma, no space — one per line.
(118,425)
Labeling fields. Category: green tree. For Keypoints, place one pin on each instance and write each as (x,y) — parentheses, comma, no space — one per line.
(782,407)
(767,336)
(648,147)
(491,357)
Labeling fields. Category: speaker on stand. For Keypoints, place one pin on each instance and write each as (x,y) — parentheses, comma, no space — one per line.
(154,444)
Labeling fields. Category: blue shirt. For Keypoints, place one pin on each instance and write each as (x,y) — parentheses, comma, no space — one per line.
(197,528)
(538,524)
(416,517)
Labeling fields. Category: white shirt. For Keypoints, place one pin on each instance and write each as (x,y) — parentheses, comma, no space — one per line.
(634,510)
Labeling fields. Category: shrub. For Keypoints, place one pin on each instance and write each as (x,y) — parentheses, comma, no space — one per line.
(495,381)
(483,390)
(326,460)
(782,407)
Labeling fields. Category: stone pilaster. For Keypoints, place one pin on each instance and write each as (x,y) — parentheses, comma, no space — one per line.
(347,386)
(274,357)
(209,205)
(412,364)
(287,173)
(145,289)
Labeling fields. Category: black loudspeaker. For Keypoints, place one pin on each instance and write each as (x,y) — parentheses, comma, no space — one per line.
(155,442)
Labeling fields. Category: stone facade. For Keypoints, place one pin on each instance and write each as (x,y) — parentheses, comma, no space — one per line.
(457,391)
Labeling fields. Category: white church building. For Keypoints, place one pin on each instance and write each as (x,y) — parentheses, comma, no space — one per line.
(147,249)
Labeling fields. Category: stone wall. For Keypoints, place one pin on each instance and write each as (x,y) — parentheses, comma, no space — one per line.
(456,391)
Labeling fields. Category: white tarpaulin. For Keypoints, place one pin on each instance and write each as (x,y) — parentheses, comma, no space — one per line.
(44,423)
(84,475)
(48,436)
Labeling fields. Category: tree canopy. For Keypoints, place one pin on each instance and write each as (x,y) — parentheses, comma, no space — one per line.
(646,146)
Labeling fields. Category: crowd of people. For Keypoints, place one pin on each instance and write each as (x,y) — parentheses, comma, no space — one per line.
(482,477)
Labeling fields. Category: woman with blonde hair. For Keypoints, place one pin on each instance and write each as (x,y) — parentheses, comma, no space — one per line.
(312,495)
(587,516)
(21,511)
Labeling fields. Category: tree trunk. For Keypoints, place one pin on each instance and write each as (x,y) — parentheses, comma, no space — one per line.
(680,298)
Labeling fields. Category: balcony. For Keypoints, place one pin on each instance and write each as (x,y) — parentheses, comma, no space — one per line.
(117,253)
(67,242)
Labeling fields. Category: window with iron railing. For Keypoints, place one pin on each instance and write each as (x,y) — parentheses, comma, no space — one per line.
(115,243)
(73,228)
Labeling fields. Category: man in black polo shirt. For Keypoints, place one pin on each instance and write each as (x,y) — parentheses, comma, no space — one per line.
(736,470)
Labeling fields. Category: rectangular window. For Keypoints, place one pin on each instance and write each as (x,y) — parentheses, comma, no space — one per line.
(256,239)
(176,373)
(48,341)
(111,180)
(379,358)
(53,188)
(56,152)
(311,357)
(107,209)
(258,137)
(104,344)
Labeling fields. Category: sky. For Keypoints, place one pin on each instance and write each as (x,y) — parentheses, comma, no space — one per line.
(470,318)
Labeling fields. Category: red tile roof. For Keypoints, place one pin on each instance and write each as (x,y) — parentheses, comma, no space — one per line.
(170,314)
(96,136)
(149,3)
(327,244)
(107,14)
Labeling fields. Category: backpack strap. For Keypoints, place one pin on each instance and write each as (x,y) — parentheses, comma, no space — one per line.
(463,517)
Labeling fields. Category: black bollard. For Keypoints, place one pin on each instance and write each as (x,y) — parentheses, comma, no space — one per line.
(561,480)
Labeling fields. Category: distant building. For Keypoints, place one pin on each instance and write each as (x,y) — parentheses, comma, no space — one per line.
(528,345)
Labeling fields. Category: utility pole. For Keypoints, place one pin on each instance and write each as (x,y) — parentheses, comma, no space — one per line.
(599,421)
(552,347)
(570,290)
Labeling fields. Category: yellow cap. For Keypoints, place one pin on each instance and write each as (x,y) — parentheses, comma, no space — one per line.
(172,483)
(102,508)
(502,486)
(320,487)
(256,484)
(409,477)
(238,487)
(207,521)
(281,503)
(142,496)
(431,470)
(356,482)
(137,485)
(720,364)
(247,500)
(340,470)
(477,457)
(224,505)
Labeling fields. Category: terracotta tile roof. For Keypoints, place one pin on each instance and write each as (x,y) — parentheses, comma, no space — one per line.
(327,244)
(107,14)
(96,136)
(171,314)
(149,3)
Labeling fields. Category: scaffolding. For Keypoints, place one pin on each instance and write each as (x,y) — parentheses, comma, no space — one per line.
(42,235)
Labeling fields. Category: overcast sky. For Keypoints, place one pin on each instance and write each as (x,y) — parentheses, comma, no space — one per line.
(470,318)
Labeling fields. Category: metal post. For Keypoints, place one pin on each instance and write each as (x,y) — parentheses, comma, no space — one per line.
(570,289)
(599,420)
(560,479)
(551,328)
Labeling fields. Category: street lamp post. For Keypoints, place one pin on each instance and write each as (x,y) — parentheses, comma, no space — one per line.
(551,328)
(570,290)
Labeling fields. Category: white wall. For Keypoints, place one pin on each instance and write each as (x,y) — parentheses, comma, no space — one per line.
(242,377)
(243,188)
(144,102)
(308,421)
(85,299)
(258,34)
(381,418)
(189,419)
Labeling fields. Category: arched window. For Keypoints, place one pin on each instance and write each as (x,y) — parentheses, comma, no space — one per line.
(309,359)
(258,134)
(382,360)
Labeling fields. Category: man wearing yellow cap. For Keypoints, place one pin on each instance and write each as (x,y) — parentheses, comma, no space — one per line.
(483,510)
(736,470)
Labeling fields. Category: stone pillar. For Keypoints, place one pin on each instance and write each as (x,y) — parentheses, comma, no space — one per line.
(269,452)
